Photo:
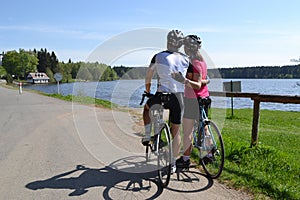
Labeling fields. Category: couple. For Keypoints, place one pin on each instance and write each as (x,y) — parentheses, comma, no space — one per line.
(184,77)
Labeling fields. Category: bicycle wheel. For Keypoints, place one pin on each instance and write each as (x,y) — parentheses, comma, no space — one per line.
(213,162)
(151,148)
(151,151)
(164,156)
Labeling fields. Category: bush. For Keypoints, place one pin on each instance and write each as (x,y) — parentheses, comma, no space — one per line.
(9,79)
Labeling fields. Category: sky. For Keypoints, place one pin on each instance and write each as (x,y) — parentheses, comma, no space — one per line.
(234,33)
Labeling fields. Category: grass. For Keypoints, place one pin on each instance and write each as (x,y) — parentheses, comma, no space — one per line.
(272,168)
(85,100)
(78,99)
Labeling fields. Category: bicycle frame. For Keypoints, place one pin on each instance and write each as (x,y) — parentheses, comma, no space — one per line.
(160,143)
(156,116)
(199,130)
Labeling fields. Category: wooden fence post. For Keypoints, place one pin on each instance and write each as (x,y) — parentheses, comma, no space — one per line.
(255,122)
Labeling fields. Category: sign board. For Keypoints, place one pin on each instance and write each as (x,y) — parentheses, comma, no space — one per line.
(232,86)
(58,76)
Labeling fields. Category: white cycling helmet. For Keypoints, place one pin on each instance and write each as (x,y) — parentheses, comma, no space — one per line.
(192,43)
(175,38)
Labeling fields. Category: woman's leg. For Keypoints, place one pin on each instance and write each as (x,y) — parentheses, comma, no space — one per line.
(175,131)
(188,126)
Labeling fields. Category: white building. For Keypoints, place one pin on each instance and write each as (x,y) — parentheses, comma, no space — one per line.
(37,77)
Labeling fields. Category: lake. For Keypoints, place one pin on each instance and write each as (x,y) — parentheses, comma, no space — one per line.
(128,92)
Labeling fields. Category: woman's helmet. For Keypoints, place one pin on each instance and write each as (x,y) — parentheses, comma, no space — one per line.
(175,38)
(192,43)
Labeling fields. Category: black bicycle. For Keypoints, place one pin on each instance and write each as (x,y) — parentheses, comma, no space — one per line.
(159,149)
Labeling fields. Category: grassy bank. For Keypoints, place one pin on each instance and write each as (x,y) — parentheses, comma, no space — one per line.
(273,167)
(85,100)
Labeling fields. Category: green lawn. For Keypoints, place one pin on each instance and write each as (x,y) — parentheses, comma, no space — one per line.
(85,100)
(272,168)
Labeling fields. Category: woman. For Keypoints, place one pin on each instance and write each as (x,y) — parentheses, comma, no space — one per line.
(195,87)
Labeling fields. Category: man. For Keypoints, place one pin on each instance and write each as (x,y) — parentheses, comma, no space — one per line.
(169,65)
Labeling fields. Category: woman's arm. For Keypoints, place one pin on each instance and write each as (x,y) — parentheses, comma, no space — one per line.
(193,80)
(205,81)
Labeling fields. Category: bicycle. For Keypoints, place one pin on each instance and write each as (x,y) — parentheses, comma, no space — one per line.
(207,138)
(159,148)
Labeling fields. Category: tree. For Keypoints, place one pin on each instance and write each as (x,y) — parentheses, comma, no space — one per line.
(54,63)
(75,69)
(295,60)
(2,72)
(43,64)
(28,62)
(109,75)
(10,61)
(67,71)
(50,74)
(84,74)
(19,64)
(96,72)
(9,78)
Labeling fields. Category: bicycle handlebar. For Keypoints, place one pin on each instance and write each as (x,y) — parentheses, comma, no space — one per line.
(145,94)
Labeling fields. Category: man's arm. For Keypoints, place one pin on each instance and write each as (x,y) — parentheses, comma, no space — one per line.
(149,75)
(148,79)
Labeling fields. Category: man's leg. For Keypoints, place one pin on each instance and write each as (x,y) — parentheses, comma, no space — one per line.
(147,125)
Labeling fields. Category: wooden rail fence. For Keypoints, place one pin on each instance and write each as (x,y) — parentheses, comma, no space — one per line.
(257,98)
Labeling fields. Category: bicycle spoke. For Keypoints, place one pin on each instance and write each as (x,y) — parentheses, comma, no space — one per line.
(213,161)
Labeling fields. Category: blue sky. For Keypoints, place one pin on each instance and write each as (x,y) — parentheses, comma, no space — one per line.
(235,33)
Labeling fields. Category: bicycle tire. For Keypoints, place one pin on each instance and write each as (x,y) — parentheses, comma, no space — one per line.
(164,155)
(213,166)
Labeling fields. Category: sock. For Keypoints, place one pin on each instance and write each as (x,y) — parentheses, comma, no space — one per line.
(185,158)
(148,130)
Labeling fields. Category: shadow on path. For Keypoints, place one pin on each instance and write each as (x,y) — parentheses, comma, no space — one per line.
(127,178)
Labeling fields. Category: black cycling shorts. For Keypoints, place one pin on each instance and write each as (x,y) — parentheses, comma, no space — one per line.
(174,103)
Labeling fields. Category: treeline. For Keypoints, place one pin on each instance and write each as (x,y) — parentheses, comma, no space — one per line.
(17,65)
(262,72)
(130,72)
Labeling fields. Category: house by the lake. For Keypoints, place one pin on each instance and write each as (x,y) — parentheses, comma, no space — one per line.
(37,77)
